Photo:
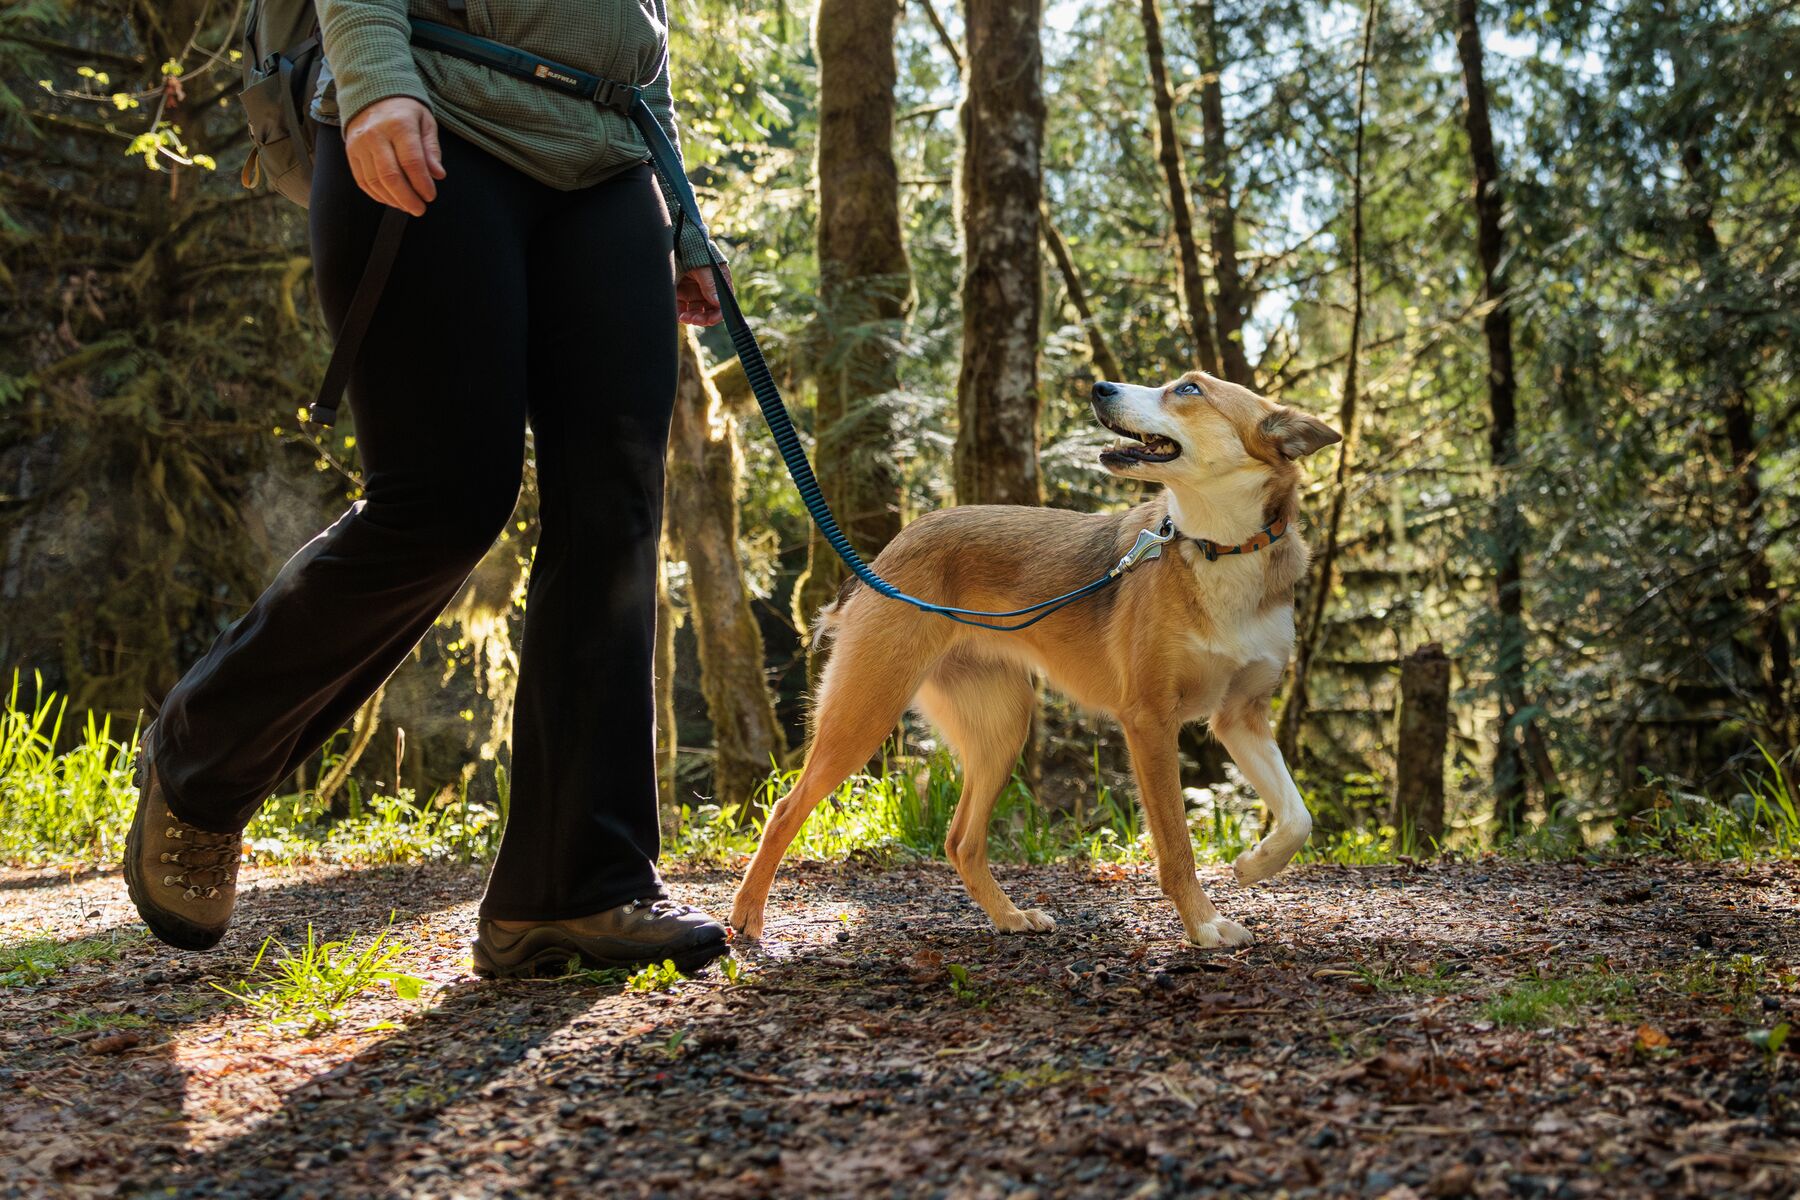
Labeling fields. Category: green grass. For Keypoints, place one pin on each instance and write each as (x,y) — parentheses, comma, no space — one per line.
(906,812)
(1761,820)
(35,960)
(72,805)
(309,990)
(1538,1002)
(1439,980)
(381,831)
(69,806)
(81,1022)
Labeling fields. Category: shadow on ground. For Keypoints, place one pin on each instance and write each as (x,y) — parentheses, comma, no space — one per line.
(882,1041)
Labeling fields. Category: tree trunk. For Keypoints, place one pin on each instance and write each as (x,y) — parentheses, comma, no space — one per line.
(1503,444)
(1104,361)
(1168,153)
(864,288)
(1233,302)
(1318,595)
(1002,294)
(1739,421)
(1424,736)
(704,465)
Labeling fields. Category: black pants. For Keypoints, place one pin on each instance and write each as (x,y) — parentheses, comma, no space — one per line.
(509,302)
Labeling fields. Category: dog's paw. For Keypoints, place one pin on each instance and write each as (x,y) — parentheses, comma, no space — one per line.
(1256,865)
(747,920)
(1030,920)
(1220,933)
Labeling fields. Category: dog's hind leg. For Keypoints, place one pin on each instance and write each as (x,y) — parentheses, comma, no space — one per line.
(984,710)
(1156,761)
(1243,729)
(868,682)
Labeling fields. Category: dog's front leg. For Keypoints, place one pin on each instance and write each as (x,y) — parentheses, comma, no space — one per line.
(1156,761)
(1246,736)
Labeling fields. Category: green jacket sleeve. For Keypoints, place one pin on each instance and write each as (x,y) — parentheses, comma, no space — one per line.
(691,249)
(369,46)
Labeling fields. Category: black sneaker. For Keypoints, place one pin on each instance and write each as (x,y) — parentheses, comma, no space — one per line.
(633,935)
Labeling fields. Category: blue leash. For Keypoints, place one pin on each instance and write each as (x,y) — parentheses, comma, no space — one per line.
(629,100)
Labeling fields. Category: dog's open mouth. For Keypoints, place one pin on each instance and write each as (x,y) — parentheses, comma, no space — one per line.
(1139,448)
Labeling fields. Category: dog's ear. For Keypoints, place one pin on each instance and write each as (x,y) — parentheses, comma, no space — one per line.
(1296,434)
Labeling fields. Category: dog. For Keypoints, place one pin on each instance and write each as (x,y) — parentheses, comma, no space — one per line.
(1202,632)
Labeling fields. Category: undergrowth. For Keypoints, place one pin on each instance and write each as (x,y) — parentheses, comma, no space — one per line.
(71,806)
(310,989)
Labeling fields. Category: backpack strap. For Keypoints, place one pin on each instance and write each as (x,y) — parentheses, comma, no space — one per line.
(362,311)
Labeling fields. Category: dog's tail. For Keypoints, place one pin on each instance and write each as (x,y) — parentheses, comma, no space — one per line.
(826,622)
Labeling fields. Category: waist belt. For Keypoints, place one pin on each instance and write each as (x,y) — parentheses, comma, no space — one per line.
(628,100)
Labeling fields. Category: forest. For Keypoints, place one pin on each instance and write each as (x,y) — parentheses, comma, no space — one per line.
(1537,260)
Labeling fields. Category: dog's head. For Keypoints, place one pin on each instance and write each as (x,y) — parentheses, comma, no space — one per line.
(1197,429)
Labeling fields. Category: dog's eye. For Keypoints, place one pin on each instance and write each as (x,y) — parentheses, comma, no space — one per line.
(1187,387)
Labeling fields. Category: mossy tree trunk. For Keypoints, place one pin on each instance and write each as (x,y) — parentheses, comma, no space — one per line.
(864,289)
(704,469)
(1002,115)
(1518,733)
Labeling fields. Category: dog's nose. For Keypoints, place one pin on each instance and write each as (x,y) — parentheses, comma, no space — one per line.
(1105,391)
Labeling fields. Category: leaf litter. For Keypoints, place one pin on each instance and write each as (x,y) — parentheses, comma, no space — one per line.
(1472,1029)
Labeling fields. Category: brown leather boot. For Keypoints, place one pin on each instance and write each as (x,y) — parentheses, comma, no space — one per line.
(630,936)
(183,879)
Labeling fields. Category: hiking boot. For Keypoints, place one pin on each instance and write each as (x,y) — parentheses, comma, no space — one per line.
(183,879)
(630,936)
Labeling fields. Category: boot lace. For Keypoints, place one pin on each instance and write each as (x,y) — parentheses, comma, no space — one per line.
(208,861)
(661,908)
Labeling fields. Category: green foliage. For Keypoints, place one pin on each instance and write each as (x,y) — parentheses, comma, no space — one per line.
(309,991)
(75,806)
(68,806)
(35,960)
(1438,979)
(1770,1042)
(960,985)
(385,830)
(1760,820)
(1540,1001)
(655,977)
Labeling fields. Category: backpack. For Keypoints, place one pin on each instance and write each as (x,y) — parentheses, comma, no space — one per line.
(283,60)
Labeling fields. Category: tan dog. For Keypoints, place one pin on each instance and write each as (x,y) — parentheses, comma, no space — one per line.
(1181,638)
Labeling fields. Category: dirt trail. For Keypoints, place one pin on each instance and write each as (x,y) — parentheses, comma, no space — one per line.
(1391,1033)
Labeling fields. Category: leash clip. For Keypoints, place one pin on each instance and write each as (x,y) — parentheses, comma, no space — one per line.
(1149,545)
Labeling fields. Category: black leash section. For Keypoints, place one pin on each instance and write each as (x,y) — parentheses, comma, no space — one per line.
(629,101)
(356,318)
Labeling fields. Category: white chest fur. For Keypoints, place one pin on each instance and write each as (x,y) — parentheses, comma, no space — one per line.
(1238,627)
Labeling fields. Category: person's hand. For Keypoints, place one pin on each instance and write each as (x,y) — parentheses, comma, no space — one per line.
(393,150)
(697,297)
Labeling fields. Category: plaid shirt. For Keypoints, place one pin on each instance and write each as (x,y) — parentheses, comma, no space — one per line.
(557,139)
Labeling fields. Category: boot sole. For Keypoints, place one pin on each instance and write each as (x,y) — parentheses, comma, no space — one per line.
(169,929)
(554,959)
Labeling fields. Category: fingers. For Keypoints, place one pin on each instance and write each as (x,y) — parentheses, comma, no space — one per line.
(394,153)
(409,150)
(697,298)
(434,154)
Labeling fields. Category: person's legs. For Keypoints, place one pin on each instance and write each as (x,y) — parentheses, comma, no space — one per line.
(439,397)
(582,831)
